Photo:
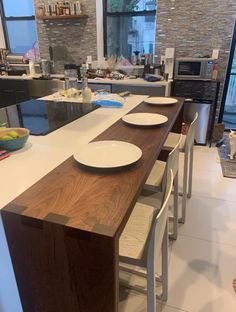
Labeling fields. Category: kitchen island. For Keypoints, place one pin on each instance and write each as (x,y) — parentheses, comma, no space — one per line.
(39,157)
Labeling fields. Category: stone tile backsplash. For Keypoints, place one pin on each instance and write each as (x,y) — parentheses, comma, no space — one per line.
(72,40)
(196,26)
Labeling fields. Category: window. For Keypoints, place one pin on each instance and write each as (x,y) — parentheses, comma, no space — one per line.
(19,24)
(129,27)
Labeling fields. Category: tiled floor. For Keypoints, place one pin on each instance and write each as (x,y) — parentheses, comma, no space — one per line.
(203,259)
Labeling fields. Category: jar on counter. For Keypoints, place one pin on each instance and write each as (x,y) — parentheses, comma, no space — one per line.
(71,76)
(86,91)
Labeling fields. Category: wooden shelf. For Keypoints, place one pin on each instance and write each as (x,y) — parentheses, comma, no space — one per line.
(59,17)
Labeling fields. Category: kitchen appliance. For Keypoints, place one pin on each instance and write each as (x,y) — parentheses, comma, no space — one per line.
(194,68)
(45,68)
(200,96)
(169,62)
(202,107)
(71,76)
(42,117)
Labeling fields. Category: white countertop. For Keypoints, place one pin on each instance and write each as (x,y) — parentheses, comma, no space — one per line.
(42,154)
(136,81)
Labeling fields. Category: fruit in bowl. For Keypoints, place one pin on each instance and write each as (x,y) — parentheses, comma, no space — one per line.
(13,138)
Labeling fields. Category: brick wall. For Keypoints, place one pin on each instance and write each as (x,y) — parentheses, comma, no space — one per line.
(72,40)
(192,26)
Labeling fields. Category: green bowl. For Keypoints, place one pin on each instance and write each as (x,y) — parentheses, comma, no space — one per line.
(14,144)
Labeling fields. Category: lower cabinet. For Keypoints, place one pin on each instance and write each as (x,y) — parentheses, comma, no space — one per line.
(97,86)
(141,90)
(12,92)
(117,88)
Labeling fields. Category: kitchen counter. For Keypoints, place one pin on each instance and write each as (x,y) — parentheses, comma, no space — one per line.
(40,155)
(136,81)
(66,227)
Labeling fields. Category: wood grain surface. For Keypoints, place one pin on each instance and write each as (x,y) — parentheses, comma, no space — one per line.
(63,232)
(99,201)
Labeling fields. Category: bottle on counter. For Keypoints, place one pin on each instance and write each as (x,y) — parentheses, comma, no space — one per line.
(86,91)
(162,68)
(31,68)
(215,71)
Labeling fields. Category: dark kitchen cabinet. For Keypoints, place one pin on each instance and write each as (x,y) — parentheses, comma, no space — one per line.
(142,90)
(13,91)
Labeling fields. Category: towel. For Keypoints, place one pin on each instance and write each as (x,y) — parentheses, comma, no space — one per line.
(108,103)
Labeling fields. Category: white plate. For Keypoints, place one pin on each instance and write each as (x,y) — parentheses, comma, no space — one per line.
(160,100)
(145,119)
(108,154)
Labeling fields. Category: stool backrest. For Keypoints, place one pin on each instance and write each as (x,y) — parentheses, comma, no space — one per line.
(191,133)
(172,162)
(160,223)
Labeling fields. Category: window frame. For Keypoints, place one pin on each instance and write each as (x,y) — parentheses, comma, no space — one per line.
(117,14)
(11,18)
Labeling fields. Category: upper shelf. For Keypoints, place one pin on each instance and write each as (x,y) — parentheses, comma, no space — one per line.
(61,17)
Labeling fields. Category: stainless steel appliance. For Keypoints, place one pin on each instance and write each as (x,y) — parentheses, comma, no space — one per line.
(203,109)
(194,68)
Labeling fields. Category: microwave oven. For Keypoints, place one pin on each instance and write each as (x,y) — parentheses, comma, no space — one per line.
(194,68)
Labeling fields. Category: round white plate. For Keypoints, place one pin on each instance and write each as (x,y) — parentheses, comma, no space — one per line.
(145,119)
(108,154)
(160,100)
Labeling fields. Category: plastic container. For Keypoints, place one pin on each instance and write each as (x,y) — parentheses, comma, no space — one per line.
(71,76)
(86,91)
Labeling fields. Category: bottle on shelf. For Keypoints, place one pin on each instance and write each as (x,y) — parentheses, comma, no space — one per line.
(41,10)
(78,8)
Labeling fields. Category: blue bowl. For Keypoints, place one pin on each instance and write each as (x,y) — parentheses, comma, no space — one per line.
(14,144)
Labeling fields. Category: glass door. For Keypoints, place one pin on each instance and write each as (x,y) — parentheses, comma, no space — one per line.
(228,107)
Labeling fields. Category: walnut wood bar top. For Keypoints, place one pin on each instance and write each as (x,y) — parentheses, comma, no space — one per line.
(98,202)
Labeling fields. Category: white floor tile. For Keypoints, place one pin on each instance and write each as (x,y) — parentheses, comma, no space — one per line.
(132,301)
(202,262)
(208,180)
(210,219)
(200,276)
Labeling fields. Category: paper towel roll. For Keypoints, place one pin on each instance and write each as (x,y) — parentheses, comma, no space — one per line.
(14,59)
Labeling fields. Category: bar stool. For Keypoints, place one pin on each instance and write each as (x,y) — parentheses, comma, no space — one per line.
(186,147)
(145,236)
(156,179)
